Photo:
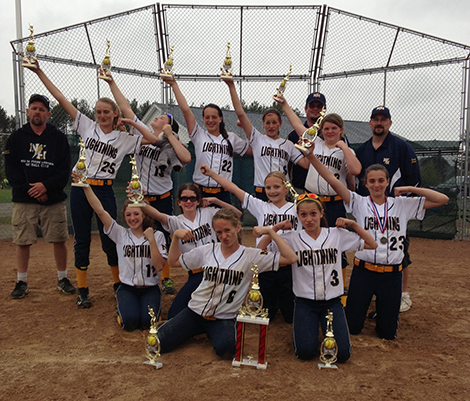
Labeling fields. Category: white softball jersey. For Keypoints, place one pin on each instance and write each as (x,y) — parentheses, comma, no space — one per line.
(201,228)
(213,151)
(396,212)
(104,152)
(317,274)
(225,282)
(271,155)
(335,161)
(135,261)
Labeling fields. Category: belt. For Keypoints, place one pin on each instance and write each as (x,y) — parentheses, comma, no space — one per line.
(153,198)
(191,272)
(211,318)
(209,190)
(99,183)
(259,190)
(141,286)
(378,268)
(333,198)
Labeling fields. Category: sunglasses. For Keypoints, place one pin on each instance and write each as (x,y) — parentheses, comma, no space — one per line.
(184,199)
(304,197)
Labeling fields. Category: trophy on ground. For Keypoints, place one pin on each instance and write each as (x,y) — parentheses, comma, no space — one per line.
(167,70)
(282,87)
(310,134)
(252,312)
(328,348)
(105,67)
(227,67)
(136,187)
(81,168)
(152,346)
(29,57)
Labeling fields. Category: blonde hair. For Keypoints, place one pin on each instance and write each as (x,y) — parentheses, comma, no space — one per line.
(230,216)
(114,107)
(276,174)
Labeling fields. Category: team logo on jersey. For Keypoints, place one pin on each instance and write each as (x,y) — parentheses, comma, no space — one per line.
(330,161)
(101,147)
(38,150)
(136,251)
(215,148)
(392,223)
(386,160)
(273,152)
(311,257)
(272,219)
(223,276)
(199,233)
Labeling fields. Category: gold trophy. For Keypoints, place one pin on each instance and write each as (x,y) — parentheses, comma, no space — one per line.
(105,67)
(328,347)
(136,187)
(152,346)
(310,134)
(81,168)
(29,58)
(282,87)
(293,193)
(167,70)
(252,312)
(227,67)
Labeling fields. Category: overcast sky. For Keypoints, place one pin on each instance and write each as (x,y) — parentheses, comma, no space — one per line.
(445,19)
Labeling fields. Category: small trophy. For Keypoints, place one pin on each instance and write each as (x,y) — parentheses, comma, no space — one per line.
(328,348)
(152,346)
(136,187)
(253,307)
(227,67)
(310,134)
(167,70)
(29,59)
(282,87)
(81,167)
(105,68)
(293,193)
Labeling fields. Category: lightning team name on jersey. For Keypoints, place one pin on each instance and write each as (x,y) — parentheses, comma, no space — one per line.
(310,257)
(137,251)
(223,276)
(273,152)
(330,161)
(272,219)
(371,223)
(199,233)
(101,147)
(149,152)
(215,148)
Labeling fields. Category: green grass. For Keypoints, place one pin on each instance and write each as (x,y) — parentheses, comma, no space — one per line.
(5,195)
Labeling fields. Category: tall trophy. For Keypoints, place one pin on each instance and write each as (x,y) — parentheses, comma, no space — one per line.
(252,312)
(310,134)
(227,67)
(136,187)
(167,70)
(105,67)
(29,58)
(328,347)
(282,87)
(81,168)
(152,346)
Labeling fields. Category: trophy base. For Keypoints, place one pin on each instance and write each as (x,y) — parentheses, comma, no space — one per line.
(137,204)
(105,77)
(278,99)
(29,64)
(303,149)
(250,362)
(169,77)
(80,184)
(158,365)
(226,77)
(325,366)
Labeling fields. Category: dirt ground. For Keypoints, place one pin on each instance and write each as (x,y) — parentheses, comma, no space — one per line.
(50,350)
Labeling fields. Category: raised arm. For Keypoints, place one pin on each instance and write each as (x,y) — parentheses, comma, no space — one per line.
(181,151)
(157,259)
(148,136)
(369,242)
(175,251)
(293,118)
(183,104)
(354,165)
(120,99)
(69,108)
(155,214)
(96,205)
(433,198)
(224,205)
(224,183)
(237,105)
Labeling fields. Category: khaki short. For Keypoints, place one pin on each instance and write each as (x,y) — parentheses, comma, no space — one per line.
(28,216)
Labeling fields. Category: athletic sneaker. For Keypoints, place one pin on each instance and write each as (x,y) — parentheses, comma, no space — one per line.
(21,289)
(83,300)
(405,302)
(167,285)
(66,286)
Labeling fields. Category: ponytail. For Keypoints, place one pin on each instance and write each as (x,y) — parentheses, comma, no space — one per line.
(222,129)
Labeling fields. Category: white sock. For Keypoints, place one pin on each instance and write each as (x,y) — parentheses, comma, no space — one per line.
(62,274)
(22,276)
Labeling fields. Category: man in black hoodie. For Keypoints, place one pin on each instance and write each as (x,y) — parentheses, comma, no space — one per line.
(37,165)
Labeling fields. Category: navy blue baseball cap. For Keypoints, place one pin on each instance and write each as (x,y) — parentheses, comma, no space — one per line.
(40,98)
(316,97)
(381,110)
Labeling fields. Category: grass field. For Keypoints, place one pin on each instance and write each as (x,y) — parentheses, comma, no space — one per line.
(5,195)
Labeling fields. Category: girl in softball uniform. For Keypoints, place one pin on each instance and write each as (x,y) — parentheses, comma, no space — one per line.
(276,287)
(227,274)
(142,253)
(317,278)
(214,146)
(197,221)
(270,153)
(106,144)
(379,272)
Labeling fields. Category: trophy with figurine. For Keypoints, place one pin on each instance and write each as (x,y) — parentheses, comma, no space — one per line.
(282,87)
(328,347)
(81,168)
(152,345)
(310,134)
(227,67)
(168,67)
(29,57)
(136,187)
(105,67)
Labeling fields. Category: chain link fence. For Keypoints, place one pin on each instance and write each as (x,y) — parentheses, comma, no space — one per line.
(358,63)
